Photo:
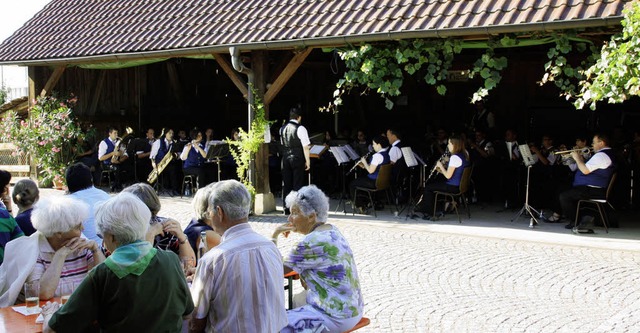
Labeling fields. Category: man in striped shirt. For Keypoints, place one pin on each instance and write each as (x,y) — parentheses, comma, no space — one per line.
(238,285)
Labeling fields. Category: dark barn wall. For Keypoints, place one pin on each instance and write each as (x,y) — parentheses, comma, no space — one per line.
(183,93)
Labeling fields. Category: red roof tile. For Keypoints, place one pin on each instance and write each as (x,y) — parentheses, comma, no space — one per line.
(90,29)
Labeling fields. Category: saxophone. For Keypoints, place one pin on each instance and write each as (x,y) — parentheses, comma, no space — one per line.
(153,176)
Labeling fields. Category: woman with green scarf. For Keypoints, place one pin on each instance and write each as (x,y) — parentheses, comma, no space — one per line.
(136,289)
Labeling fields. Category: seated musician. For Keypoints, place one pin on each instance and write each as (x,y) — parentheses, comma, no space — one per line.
(372,166)
(481,154)
(159,150)
(590,182)
(508,161)
(360,144)
(542,173)
(453,174)
(142,152)
(194,155)
(112,155)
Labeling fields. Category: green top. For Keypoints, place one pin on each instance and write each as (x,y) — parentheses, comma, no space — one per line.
(155,301)
(9,230)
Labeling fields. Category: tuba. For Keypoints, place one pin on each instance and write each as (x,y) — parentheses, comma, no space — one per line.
(119,141)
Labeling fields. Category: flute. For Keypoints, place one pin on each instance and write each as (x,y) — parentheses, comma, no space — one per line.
(366,156)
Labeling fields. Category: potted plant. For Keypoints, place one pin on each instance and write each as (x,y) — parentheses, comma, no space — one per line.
(51,135)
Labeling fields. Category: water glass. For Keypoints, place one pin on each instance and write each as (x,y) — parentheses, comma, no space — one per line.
(65,290)
(32,296)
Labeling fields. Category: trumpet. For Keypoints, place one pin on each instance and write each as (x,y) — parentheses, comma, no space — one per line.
(582,150)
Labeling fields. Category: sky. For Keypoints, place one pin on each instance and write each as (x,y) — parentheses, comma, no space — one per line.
(14,14)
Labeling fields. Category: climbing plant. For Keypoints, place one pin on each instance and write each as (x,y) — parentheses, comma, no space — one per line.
(560,70)
(489,67)
(382,67)
(615,76)
(245,149)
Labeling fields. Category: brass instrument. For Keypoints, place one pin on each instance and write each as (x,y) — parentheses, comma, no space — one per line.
(566,152)
(157,169)
(115,158)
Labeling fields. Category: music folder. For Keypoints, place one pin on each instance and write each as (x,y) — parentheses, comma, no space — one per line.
(339,154)
(316,150)
(527,158)
(409,157)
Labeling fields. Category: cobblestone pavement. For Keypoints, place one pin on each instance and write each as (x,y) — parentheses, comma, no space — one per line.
(418,278)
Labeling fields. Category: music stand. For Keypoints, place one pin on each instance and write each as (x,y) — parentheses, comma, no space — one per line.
(216,152)
(342,159)
(411,161)
(529,161)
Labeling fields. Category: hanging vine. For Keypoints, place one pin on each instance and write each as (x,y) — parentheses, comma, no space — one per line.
(381,67)
(489,67)
(560,71)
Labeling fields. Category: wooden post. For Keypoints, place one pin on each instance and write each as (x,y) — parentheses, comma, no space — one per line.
(265,201)
(33,174)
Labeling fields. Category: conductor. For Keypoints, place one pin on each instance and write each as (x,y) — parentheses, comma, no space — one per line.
(295,159)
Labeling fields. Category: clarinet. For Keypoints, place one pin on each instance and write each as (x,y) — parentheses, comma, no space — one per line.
(366,156)
(435,165)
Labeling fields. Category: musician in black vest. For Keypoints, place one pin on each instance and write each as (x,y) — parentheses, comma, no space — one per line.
(111,156)
(399,171)
(590,182)
(159,150)
(295,148)
(193,155)
(142,150)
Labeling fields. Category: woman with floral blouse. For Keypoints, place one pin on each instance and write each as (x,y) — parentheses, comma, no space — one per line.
(323,258)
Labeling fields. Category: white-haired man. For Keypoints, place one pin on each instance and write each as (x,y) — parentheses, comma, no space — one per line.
(238,285)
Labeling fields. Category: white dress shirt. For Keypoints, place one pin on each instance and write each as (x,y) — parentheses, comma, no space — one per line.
(394,152)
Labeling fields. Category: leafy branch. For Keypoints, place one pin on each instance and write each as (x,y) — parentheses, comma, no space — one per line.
(489,67)
(615,76)
(560,71)
(244,150)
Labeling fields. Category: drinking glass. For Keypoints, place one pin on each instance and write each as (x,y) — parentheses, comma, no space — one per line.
(65,290)
(32,296)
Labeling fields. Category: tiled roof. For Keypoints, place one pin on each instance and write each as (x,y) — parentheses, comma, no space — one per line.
(93,30)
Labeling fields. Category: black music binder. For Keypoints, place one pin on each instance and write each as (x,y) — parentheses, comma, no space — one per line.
(218,151)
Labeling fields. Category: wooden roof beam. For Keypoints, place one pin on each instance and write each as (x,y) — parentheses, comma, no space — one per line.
(232,74)
(286,74)
(53,80)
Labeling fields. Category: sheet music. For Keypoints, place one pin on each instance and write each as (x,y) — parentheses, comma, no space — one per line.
(352,153)
(409,157)
(339,154)
(526,155)
(317,149)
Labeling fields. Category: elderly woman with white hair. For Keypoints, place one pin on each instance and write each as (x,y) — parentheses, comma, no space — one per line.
(323,258)
(56,255)
(137,289)
(202,220)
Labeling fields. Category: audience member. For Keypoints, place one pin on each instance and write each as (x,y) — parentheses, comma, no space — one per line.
(332,298)
(238,285)
(137,289)
(25,194)
(80,185)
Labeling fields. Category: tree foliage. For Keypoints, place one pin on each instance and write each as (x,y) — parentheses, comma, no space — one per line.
(615,76)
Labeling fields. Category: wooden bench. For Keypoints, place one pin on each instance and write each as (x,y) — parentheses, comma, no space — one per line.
(364,321)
